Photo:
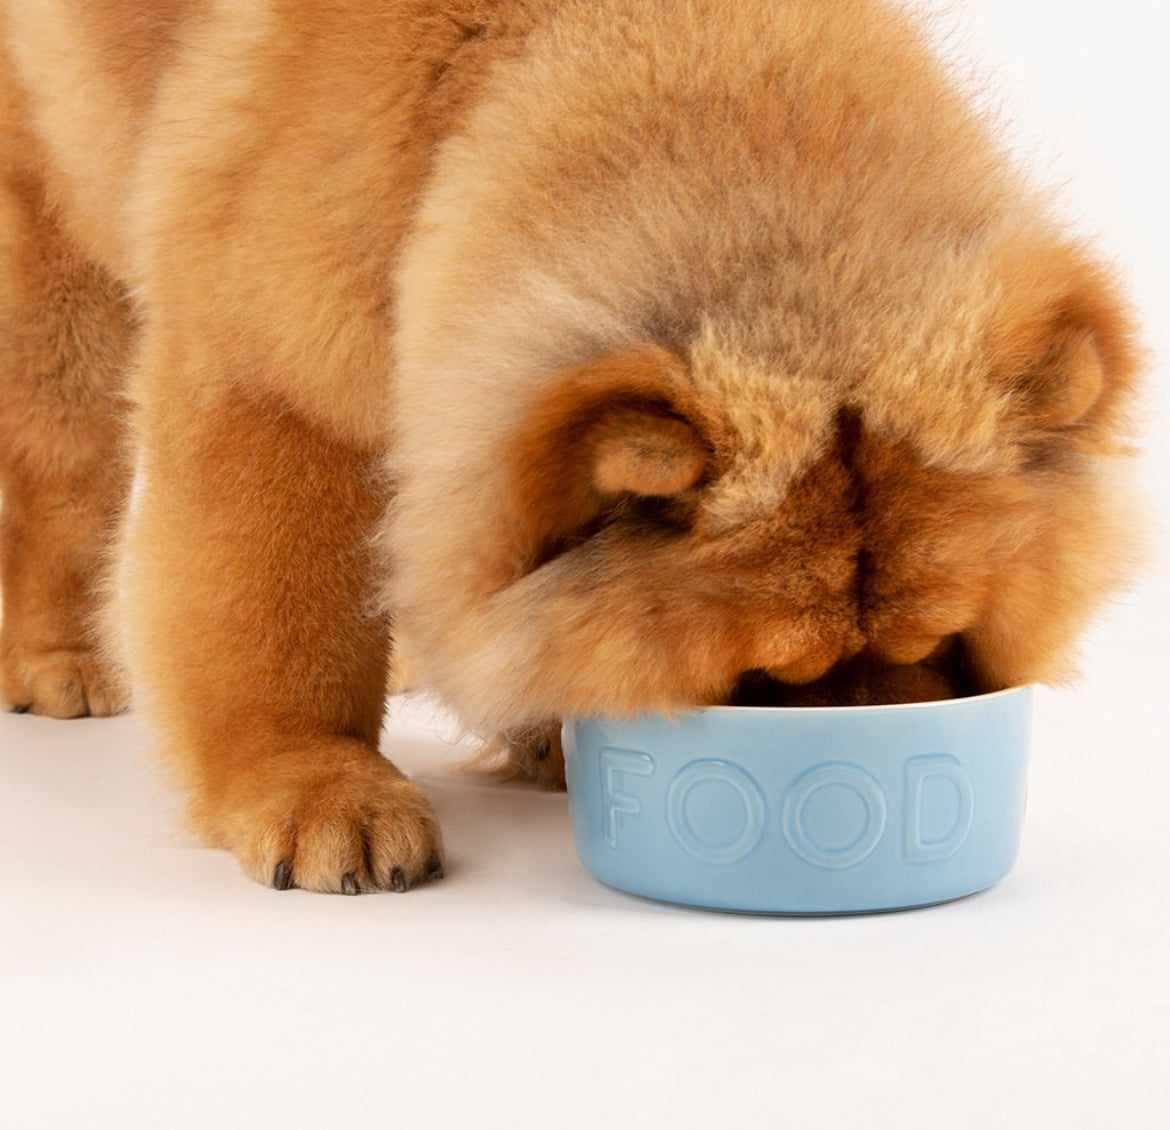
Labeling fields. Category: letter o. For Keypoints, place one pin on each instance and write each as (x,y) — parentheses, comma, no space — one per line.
(809,841)
(729,835)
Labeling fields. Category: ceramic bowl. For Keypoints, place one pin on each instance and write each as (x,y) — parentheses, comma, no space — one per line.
(803,810)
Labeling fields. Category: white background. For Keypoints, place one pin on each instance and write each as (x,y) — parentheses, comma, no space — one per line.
(144,982)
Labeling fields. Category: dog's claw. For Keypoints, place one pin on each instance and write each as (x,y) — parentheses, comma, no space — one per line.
(349,884)
(282,878)
(22,708)
(399,881)
(435,869)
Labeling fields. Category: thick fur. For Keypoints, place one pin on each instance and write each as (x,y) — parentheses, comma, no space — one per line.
(608,350)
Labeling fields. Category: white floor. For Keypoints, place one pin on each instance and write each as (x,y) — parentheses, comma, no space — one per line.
(145,983)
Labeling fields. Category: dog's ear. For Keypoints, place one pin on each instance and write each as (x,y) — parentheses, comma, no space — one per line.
(1068,358)
(1064,348)
(1069,379)
(613,428)
(638,450)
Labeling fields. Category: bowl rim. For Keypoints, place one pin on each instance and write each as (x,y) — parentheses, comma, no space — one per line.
(673,717)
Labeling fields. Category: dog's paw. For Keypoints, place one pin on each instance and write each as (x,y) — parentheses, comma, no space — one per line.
(358,826)
(62,684)
(532,755)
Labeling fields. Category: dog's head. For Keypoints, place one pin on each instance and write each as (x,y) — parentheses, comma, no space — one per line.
(668,525)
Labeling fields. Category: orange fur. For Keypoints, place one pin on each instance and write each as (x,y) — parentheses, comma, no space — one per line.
(615,352)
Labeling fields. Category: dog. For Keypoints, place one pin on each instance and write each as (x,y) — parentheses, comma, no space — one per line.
(612,355)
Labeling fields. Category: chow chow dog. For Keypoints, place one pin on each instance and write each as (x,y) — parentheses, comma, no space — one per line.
(615,355)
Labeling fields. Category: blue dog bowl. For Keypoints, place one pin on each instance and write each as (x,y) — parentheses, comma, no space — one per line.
(803,810)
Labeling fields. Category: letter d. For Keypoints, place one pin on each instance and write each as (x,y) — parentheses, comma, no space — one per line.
(938,768)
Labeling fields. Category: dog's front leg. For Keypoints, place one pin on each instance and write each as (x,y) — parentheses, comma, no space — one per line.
(263,657)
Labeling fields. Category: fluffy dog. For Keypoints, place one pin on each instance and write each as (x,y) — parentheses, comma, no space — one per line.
(620,354)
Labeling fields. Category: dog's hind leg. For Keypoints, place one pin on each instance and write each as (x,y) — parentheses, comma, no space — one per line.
(65,334)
